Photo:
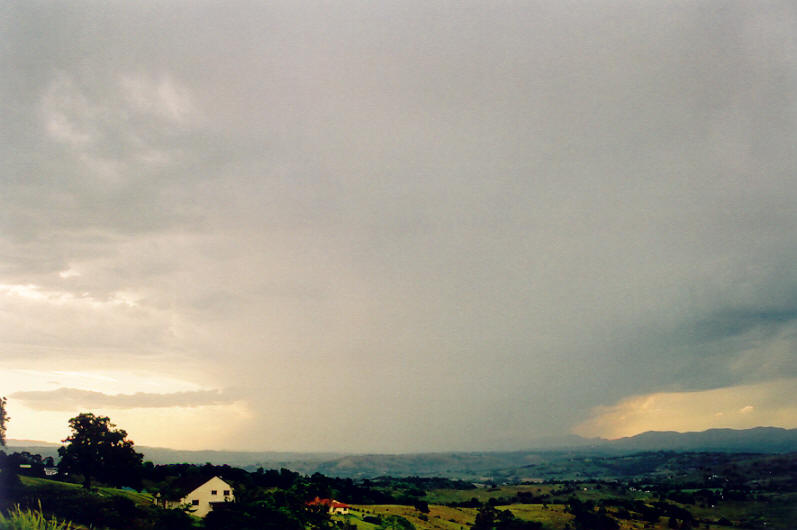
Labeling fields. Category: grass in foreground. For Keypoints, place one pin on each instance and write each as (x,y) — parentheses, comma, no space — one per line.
(19,519)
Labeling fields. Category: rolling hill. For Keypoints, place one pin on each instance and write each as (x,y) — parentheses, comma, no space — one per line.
(766,440)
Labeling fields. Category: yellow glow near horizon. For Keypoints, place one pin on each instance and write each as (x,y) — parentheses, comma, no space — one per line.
(738,407)
(207,427)
(201,427)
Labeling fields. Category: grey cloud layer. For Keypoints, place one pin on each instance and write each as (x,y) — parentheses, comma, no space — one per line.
(520,211)
(74,398)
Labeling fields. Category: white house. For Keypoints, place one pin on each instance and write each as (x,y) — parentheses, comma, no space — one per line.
(202,497)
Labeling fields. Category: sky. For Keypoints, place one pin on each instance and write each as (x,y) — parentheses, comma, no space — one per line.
(397,226)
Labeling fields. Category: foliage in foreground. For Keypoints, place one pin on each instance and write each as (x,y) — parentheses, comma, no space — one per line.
(96,508)
(19,519)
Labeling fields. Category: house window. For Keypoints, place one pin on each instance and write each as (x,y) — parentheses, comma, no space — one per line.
(195,502)
(226,492)
(214,492)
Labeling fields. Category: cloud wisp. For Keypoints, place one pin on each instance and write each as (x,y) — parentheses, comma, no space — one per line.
(63,399)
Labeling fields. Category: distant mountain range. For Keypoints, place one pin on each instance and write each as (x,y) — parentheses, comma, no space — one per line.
(30,443)
(756,440)
(470,464)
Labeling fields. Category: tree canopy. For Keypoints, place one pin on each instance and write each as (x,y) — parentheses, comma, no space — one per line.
(489,518)
(97,450)
(3,419)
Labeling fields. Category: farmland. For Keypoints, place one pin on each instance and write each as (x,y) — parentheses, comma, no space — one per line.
(653,490)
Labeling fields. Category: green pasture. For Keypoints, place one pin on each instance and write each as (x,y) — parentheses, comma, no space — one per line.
(445,496)
(438,518)
(553,516)
(138,498)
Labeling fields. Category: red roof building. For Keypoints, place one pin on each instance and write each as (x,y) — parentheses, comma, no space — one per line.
(333,505)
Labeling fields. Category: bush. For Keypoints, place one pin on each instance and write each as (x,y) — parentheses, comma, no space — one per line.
(489,518)
(9,487)
(172,520)
(586,518)
(396,522)
(91,509)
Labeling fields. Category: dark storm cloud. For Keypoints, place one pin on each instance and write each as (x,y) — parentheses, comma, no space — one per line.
(521,211)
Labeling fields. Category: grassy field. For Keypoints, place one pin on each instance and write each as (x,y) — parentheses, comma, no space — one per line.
(778,511)
(50,491)
(444,496)
(356,518)
(438,518)
(35,481)
(553,516)
(585,491)
(138,498)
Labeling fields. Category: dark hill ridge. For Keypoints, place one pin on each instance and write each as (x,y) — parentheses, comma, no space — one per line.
(756,440)
(771,440)
(30,443)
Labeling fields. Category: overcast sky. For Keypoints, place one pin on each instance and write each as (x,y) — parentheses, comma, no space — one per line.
(397,226)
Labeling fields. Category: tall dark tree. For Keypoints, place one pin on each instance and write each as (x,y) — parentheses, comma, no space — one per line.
(8,470)
(97,450)
(3,419)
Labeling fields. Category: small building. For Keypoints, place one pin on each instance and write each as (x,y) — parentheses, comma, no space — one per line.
(199,496)
(335,507)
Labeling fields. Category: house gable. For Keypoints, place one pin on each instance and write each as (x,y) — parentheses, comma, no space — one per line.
(201,499)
